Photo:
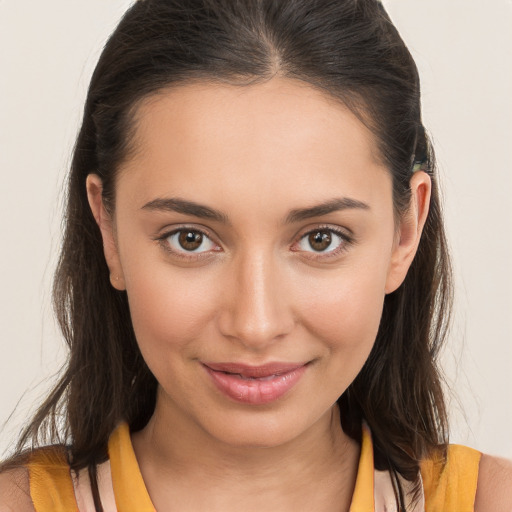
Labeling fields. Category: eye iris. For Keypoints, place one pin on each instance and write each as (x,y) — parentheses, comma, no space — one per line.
(320,240)
(190,240)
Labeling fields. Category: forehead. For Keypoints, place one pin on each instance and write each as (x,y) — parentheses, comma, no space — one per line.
(281,137)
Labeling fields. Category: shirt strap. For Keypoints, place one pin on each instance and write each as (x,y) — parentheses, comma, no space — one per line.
(129,488)
(51,486)
(452,485)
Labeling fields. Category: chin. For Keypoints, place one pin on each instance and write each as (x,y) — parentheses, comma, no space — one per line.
(265,431)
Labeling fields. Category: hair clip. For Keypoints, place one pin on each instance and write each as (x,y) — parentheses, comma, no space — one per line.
(420,165)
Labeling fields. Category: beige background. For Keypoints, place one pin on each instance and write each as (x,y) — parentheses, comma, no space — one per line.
(464,52)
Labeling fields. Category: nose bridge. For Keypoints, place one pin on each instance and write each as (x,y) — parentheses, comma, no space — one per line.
(258,311)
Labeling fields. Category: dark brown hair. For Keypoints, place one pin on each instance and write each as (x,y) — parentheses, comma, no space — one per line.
(348,49)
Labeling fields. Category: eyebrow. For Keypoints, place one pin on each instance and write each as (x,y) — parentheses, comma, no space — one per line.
(186,207)
(205,212)
(331,206)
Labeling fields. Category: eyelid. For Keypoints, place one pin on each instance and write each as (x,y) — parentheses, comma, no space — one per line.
(186,255)
(344,233)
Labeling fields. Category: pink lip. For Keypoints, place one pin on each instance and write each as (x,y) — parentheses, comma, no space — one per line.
(255,384)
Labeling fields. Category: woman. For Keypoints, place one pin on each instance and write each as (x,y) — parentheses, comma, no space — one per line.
(254,281)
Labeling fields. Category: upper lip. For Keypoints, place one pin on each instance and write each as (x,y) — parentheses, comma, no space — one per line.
(247,370)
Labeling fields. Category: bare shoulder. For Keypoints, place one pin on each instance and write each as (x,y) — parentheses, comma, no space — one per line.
(15,491)
(494,489)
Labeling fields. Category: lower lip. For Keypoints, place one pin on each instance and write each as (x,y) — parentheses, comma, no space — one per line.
(255,391)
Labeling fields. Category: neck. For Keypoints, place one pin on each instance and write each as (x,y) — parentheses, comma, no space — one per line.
(179,460)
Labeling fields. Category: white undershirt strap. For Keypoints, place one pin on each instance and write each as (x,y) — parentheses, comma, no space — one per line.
(83,493)
(384,494)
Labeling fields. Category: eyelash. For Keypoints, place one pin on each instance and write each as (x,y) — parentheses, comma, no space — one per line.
(346,241)
(185,255)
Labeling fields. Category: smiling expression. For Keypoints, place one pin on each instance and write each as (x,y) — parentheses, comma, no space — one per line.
(254,233)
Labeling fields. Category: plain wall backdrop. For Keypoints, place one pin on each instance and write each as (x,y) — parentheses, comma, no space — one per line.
(463,49)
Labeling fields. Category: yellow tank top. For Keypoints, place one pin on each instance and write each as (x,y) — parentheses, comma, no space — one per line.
(446,487)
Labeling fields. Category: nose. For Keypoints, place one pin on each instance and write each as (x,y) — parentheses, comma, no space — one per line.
(257,306)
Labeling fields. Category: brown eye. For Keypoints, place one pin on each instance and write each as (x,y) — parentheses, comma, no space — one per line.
(184,241)
(320,240)
(323,241)
(190,240)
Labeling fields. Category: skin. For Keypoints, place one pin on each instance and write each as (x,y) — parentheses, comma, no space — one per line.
(259,292)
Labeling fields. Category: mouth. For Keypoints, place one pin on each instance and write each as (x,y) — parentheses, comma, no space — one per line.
(255,384)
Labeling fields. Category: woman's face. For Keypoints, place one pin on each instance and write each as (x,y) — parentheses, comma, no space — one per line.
(255,237)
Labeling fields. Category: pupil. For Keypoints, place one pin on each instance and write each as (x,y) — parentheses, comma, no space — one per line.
(320,240)
(190,240)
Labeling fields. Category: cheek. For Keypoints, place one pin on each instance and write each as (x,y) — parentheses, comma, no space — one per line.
(169,311)
(344,312)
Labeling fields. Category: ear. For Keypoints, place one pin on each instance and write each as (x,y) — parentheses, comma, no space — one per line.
(409,231)
(103,219)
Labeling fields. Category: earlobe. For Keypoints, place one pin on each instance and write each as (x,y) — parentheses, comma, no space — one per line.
(410,230)
(103,219)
